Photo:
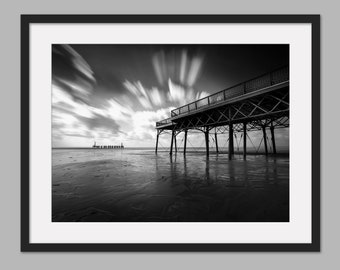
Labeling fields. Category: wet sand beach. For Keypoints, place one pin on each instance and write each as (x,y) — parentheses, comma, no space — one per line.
(90,185)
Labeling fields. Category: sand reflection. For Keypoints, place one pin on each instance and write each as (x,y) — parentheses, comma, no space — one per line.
(141,186)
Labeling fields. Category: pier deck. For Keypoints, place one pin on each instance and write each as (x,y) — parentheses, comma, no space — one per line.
(257,104)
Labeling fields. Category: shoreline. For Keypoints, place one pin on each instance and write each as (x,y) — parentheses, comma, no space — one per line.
(189,150)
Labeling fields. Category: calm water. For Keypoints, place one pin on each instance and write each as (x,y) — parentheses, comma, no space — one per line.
(138,185)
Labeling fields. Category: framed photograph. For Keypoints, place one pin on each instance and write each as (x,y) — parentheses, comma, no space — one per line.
(170,133)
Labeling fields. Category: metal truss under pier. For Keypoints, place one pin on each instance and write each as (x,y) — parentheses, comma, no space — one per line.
(257,104)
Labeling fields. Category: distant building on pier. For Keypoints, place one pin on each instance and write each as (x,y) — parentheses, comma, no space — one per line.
(121,146)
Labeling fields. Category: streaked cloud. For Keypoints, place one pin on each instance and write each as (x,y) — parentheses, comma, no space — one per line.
(129,117)
(114,122)
(158,61)
(72,73)
(116,93)
(137,89)
(178,66)
(183,67)
(77,61)
(180,71)
(194,71)
(148,98)
(155,96)
(178,93)
(200,95)
(78,119)
(182,95)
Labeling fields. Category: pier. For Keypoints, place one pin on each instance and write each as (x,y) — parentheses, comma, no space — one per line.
(95,146)
(261,103)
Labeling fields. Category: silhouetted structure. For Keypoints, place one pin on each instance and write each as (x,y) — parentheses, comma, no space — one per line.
(257,104)
(121,146)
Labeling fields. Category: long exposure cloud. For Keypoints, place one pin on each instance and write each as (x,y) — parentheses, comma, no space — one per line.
(116,93)
(129,116)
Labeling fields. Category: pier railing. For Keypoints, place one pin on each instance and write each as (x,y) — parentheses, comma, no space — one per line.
(266,80)
(164,122)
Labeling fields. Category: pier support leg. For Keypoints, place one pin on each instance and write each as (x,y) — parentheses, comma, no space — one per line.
(231,142)
(172,141)
(157,142)
(244,140)
(265,140)
(185,141)
(273,138)
(216,142)
(206,133)
(175,143)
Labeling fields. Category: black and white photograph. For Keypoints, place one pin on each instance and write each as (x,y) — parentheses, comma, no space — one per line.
(170,133)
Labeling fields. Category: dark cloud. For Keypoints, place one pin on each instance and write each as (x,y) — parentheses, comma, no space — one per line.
(62,107)
(72,73)
(76,134)
(100,122)
(62,65)
(56,126)
(68,64)
(108,81)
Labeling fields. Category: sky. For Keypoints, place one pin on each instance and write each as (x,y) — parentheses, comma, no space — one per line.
(112,94)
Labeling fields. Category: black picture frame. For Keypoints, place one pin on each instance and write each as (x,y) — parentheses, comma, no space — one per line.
(26,20)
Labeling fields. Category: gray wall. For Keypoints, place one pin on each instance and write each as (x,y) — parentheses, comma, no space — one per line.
(10,134)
